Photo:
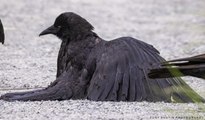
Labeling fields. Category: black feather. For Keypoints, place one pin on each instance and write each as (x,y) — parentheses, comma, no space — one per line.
(190,66)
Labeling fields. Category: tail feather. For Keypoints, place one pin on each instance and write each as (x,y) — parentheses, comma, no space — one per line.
(198,58)
(172,70)
(167,72)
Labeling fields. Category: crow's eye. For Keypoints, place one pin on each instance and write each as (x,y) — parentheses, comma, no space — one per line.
(58,26)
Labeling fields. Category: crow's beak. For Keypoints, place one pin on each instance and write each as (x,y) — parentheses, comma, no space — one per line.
(51,30)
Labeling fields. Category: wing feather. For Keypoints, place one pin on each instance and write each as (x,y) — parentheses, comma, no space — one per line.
(121,75)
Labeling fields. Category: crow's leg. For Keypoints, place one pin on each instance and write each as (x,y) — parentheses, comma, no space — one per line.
(59,90)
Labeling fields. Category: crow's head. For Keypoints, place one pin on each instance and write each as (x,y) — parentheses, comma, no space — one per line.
(68,24)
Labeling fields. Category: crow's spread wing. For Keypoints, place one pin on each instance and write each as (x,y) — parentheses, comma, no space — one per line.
(1,33)
(121,75)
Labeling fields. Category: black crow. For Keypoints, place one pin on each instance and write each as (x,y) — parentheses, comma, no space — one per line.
(89,67)
(1,33)
(190,66)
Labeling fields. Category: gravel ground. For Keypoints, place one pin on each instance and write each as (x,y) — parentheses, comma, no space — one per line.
(175,27)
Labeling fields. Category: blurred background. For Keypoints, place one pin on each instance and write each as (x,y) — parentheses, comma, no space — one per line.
(175,27)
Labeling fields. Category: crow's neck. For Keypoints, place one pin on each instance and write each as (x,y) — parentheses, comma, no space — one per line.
(76,35)
(75,51)
(79,40)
